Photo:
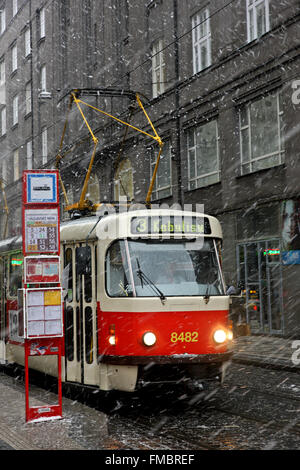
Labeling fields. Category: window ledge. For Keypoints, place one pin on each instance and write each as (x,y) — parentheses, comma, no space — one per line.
(281,166)
(204,187)
(41,40)
(155,199)
(28,115)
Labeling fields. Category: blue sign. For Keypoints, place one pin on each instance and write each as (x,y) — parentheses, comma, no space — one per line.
(42,188)
(291,257)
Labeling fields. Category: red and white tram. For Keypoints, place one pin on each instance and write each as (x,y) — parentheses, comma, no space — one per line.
(144,300)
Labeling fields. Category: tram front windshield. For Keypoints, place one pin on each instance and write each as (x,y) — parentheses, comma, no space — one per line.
(146,268)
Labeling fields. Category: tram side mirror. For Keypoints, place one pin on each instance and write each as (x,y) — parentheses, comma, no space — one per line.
(232,290)
(83,260)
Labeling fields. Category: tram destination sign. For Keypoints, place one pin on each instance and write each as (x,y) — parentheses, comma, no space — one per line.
(175,225)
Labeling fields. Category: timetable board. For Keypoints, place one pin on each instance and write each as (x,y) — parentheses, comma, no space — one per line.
(43,309)
(41,231)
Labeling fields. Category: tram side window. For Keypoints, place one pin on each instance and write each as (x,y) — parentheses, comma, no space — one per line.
(15,274)
(88,313)
(1,278)
(68,273)
(88,279)
(69,333)
(117,284)
(96,272)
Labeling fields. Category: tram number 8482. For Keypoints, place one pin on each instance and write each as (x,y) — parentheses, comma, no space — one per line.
(184,337)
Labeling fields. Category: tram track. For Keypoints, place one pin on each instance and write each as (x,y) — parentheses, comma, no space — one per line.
(294,425)
(288,425)
(204,425)
(183,422)
(142,435)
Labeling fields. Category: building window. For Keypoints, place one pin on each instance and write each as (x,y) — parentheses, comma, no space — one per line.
(201,40)
(29,155)
(2,21)
(15,110)
(93,189)
(15,7)
(123,183)
(163,181)
(261,133)
(44,146)
(43,78)
(14,58)
(158,69)
(3,121)
(16,165)
(2,72)
(27,42)
(2,83)
(203,155)
(258,21)
(42,23)
(28,108)
(4,171)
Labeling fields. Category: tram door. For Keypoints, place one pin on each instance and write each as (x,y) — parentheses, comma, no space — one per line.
(2,311)
(259,266)
(80,318)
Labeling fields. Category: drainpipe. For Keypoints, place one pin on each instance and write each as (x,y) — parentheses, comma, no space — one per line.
(180,192)
(31,81)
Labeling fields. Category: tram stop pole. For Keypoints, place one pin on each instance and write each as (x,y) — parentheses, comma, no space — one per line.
(40,300)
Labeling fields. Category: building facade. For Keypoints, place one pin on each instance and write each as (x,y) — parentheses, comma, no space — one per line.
(219,80)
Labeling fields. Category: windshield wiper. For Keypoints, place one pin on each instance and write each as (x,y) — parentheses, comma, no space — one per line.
(206,297)
(147,280)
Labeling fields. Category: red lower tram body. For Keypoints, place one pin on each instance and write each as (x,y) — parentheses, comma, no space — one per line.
(185,346)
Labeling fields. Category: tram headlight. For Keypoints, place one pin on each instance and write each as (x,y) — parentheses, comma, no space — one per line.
(149,338)
(112,335)
(220,336)
(229,335)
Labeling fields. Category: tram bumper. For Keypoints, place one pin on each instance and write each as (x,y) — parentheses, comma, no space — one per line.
(127,373)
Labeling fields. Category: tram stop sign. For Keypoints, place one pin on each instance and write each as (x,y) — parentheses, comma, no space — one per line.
(41,307)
